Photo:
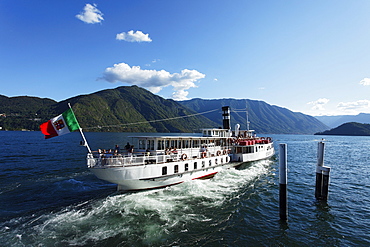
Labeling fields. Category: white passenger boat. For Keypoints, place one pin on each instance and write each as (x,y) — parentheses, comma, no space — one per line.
(159,161)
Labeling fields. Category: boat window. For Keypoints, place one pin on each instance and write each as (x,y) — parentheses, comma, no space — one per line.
(256,149)
(195,165)
(164,170)
(141,144)
(150,144)
(176,169)
(222,160)
(160,145)
(203,163)
(186,167)
(216,161)
(196,143)
(210,162)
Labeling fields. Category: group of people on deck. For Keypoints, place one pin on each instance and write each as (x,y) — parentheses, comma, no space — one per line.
(116,152)
(129,149)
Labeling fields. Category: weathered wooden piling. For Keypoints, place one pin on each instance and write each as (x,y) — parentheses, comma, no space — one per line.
(283,195)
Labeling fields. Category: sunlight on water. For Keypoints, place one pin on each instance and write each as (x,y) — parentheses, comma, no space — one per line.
(145,217)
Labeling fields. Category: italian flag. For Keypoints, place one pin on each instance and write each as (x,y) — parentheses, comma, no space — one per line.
(63,124)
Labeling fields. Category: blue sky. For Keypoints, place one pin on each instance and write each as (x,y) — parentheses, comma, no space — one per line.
(307,56)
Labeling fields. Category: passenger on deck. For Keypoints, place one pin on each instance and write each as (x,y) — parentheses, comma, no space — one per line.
(99,153)
(128,146)
(109,153)
(116,153)
(117,148)
(131,150)
(130,153)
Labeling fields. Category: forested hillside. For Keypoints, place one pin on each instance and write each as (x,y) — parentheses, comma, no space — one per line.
(349,129)
(130,109)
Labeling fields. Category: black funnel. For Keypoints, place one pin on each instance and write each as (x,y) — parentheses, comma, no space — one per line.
(226,117)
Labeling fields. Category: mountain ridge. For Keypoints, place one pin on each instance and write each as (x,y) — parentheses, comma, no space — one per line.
(263,118)
(335,121)
(134,109)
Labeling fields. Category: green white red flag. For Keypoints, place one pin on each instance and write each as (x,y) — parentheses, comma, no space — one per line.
(63,124)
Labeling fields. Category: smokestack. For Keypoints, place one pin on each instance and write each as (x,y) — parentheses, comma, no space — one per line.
(226,117)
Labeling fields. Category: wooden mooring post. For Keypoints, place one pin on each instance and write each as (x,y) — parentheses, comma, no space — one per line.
(283,181)
(322,175)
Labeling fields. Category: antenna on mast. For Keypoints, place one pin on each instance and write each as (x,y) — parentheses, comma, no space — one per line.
(246,110)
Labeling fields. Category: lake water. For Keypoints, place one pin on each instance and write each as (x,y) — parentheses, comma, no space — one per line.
(49,198)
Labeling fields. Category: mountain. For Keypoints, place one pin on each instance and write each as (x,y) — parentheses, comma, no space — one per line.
(334,121)
(134,109)
(263,118)
(129,109)
(24,112)
(349,129)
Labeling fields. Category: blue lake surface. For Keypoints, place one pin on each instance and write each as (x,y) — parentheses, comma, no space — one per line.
(49,198)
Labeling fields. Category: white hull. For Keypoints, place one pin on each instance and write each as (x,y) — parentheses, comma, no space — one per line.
(252,152)
(149,176)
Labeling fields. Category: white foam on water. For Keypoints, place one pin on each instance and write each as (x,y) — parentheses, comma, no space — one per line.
(143,217)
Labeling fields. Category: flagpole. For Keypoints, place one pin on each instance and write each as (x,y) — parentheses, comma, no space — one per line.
(82,134)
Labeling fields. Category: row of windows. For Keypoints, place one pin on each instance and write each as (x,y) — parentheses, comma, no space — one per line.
(163,144)
(195,166)
(250,149)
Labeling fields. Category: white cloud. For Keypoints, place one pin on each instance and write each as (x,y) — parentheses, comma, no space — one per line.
(132,36)
(365,82)
(319,104)
(154,80)
(90,14)
(180,95)
(359,105)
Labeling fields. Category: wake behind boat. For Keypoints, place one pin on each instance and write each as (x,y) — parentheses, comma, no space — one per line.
(158,161)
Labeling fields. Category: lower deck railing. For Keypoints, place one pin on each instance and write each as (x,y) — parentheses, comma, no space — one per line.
(98,160)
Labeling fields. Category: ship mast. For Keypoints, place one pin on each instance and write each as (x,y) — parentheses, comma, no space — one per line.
(246,111)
